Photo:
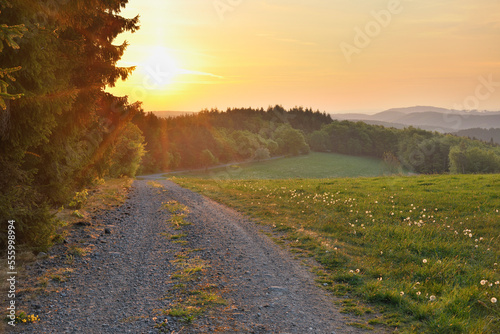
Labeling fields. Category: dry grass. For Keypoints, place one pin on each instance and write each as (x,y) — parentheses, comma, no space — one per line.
(105,196)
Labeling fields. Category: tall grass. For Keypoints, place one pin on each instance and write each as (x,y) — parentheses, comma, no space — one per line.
(424,248)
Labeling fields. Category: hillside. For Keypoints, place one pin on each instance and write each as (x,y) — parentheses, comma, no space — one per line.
(487,135)
(313,165)
(428,118)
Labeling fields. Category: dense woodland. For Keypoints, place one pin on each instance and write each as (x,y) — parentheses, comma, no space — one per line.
(213,137)
(486,135)
(59,129)
(61,132)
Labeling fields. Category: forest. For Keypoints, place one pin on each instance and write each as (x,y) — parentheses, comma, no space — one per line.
(59,129)
(61,132)
(213,137)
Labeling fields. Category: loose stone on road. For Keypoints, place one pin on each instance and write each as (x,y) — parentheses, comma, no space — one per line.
(123,285)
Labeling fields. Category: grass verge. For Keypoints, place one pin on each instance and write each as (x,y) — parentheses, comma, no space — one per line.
(423,250)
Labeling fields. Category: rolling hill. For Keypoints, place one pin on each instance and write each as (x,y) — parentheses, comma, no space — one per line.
(428,118)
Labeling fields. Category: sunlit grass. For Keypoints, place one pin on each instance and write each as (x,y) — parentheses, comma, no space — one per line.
(313,165)
(423,249)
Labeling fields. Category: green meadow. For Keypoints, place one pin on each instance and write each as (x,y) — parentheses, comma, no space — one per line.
(412,253)
(313,165)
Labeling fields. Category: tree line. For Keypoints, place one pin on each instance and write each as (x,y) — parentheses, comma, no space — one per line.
(212,137)
(61,132)
(59,129)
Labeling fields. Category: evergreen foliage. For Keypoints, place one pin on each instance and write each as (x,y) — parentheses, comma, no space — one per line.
(65,130)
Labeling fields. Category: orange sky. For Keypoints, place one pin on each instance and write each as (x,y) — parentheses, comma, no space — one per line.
(331,55)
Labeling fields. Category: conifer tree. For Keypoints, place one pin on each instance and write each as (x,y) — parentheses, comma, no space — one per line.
(8,34)
(65,123)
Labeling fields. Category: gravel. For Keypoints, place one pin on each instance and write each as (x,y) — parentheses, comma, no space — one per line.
(122,284)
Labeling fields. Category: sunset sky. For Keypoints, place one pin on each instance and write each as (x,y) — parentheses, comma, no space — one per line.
(331,55)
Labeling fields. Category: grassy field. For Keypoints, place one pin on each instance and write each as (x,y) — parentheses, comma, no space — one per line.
(313,165)
(422,250)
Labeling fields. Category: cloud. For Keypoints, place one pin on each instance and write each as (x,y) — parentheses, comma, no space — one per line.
(199,73)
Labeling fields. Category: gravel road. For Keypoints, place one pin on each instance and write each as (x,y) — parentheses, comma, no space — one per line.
(123,283)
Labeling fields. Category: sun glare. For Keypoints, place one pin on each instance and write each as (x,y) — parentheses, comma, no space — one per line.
(159,69)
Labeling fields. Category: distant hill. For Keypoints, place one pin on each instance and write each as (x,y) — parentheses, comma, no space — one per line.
(167,114)
(428,118)
(486,135)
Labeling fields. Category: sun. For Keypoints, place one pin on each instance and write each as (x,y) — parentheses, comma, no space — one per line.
(159,69)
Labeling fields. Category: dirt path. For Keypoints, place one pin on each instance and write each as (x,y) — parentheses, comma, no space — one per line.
(126,280)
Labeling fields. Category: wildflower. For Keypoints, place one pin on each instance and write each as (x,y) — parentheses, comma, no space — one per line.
(402,293)
(497,282)
(493,300)
(357,270)
(483,282)
(432,298)
(380,278)
(419,293)
(424,260)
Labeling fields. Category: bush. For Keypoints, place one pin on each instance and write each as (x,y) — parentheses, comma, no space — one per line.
(79,199)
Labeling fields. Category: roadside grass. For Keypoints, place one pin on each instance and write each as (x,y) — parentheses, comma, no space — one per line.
(107,194)
(313,165)
(103,196)
(422,250)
